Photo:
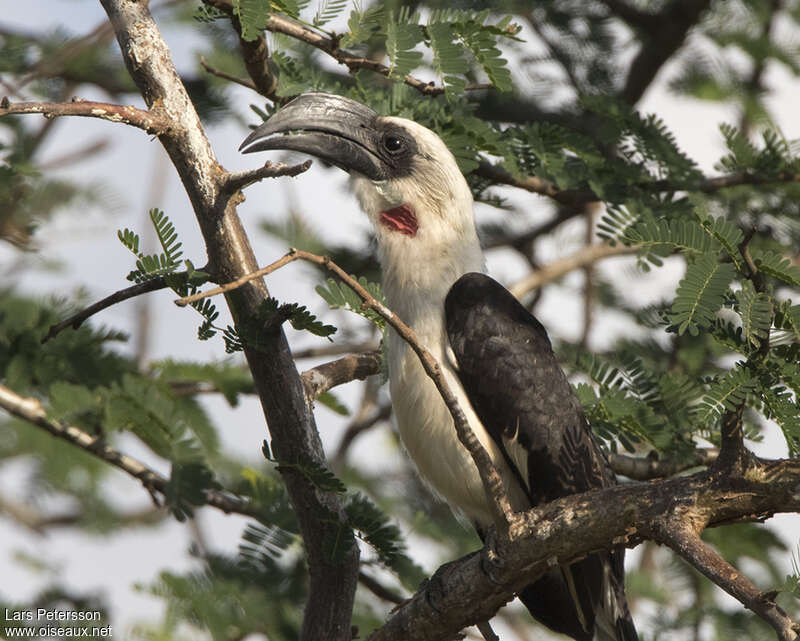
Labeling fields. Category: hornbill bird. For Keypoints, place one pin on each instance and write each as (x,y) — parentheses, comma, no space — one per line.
(494,354)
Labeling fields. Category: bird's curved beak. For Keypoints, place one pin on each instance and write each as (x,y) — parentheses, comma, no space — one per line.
(335,129)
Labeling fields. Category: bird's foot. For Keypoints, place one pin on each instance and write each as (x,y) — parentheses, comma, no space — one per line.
(492,562)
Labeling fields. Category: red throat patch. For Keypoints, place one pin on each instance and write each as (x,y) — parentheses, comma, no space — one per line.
(401,219)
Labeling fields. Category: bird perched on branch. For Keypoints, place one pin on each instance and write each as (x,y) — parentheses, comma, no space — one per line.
(494,354)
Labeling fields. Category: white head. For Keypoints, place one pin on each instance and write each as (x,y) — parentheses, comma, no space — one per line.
(405,178)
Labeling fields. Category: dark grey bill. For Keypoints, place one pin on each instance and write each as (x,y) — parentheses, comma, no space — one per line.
(336,129)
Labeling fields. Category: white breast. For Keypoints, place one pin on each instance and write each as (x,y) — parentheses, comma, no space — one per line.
(426,427)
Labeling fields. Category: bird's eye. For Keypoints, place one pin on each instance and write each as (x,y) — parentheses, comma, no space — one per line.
(392,144)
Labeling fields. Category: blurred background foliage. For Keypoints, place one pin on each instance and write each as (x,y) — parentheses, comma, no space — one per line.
(545,90)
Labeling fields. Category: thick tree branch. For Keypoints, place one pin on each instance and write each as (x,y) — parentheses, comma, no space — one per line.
(290,416)
(321,378)
(558,268)
(474,587)
(492,483)
(688,544)
(31,410)
(77,319)
(148,121)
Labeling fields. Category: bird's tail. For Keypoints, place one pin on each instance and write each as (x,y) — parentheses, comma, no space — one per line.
(613,620)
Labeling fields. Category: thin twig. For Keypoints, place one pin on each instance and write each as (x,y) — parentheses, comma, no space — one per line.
(688,544)
(32,411)
(378,589)
(241,179)
(335,349)
(140,118)
(77,319)
(286,26)
(562,266)
(236,284)
(492,482)
(226,76)
(640,468)
(358,427)
(544,187)
(41,523)
(70,158)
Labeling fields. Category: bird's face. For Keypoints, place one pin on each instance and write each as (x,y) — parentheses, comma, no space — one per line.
(405,178)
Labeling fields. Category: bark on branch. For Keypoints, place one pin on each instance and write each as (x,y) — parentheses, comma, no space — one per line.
(688,544)
(472,588)
(322,378)
(148,121)
(291,421)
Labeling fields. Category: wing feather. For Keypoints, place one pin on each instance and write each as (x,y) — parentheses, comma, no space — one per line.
(520,393)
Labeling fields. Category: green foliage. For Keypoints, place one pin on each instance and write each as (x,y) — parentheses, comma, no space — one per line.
(330,401)
(775,156)
(447,59)
(403,34)
(328,10)
(226,378)
(364,23)
(755,308)
(318,475)
(341,296)
(777,266)
(701,293)
(271,313)
(478,38)
(374,527)
(725,394)
(787,317)
(149,266)
(148,410)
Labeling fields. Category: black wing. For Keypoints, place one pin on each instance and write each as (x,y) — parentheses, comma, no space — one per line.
(524,400)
